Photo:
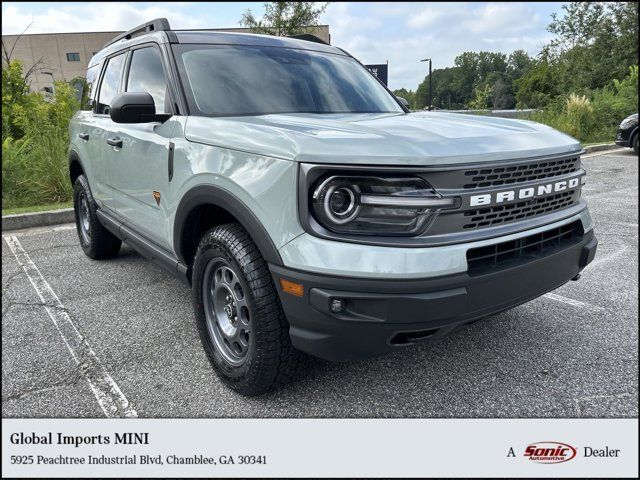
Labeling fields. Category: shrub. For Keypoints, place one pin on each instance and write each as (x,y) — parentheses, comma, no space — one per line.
(593,116)
(34,146)
(14,94)
(577,115)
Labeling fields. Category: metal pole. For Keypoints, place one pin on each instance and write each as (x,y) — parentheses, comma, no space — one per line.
(429,84)
(430,100)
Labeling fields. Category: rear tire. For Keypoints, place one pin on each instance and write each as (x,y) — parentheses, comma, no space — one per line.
(96,241)
(635,143)
(239,316)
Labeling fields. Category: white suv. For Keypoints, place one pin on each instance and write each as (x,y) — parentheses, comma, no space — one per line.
(308,208)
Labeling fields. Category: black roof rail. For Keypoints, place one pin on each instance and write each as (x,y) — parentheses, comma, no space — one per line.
(155,25)
(308,37)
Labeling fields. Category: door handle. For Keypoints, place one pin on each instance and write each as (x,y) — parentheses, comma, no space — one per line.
(83,136)
(115,142)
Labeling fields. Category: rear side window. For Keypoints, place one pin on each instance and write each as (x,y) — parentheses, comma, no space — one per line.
(147,75)
(109,85)
(92,76)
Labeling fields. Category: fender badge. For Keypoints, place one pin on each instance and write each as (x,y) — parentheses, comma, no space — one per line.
(156,195)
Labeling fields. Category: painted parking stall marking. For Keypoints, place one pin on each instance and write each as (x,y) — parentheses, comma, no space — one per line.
(571,301)
(113,402)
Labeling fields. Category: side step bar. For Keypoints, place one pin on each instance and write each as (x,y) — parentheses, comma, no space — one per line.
(146,248)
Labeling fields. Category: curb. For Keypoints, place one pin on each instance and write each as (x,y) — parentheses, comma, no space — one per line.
(37,219)
(600,147)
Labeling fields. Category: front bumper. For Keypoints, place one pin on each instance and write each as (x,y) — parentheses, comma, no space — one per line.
(384,314)
(622,138)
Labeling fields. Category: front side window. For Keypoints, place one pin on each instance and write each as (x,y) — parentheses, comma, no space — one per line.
(147,75)
(257,80)
(109,85)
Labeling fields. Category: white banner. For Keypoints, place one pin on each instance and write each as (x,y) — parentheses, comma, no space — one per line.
(319,448)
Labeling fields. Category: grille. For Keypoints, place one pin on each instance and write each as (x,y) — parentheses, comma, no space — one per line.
(505,254)
(489,177)
(486,217)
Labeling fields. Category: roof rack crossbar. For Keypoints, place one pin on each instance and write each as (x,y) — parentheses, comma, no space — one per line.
(155,25)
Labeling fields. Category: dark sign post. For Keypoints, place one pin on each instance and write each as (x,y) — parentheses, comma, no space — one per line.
(429,60)
(381,71)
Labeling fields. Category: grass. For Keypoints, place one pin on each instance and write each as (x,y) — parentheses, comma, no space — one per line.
(37,208)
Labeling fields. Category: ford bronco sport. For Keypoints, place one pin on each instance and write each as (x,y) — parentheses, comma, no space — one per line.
(307,207)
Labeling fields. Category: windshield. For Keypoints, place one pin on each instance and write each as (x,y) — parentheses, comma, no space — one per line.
(258,80)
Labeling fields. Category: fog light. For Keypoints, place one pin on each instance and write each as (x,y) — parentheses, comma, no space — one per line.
(337,305)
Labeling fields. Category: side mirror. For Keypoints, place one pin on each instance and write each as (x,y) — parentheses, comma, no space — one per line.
(403,101)
(135,107)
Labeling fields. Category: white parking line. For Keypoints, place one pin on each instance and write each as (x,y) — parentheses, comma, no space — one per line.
(603,259)
(571,301)
(111,399)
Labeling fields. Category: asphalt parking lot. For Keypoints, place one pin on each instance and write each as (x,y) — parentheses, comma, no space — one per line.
(571,353)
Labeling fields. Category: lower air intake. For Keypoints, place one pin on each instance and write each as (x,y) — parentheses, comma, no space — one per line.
(482,260)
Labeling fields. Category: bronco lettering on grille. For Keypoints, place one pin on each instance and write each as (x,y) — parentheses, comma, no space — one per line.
(523,193)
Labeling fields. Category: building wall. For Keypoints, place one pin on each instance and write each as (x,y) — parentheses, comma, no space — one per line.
(52,49)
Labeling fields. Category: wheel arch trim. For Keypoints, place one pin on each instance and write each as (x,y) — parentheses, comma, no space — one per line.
(219,197)
(74,157)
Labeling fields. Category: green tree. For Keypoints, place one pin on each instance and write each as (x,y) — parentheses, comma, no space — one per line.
(14,98)
(466,79)
(538,87)
(595,42)
(445,95)
(502,92)
(285,18)
(519,63)
(474,74)
(482,97)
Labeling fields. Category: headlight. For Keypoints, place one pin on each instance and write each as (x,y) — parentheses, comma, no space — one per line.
(372,205)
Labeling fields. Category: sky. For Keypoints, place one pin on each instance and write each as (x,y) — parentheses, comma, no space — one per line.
(374,32)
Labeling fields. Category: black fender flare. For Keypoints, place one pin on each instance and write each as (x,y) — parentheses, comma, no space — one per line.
(219,197)
(75,157)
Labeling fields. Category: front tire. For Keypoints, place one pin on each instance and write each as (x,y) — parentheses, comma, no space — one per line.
(96,241)
(635,143)
(239,317)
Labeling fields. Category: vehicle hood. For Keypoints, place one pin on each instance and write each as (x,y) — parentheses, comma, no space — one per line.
(423,138)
